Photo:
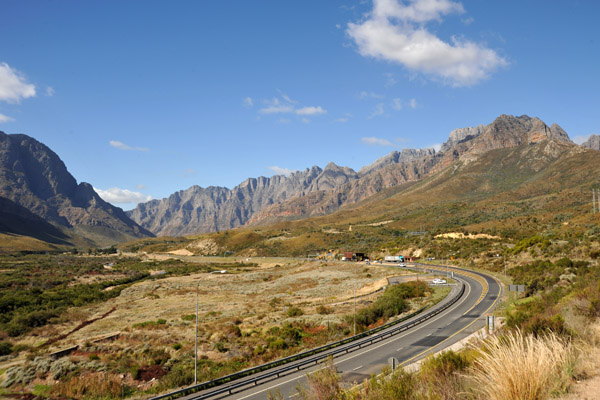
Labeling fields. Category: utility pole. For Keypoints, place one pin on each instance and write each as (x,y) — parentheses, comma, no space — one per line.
(593,201)
(196,341)
(354,305)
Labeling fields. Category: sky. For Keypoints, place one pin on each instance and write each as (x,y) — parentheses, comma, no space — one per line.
(145,98)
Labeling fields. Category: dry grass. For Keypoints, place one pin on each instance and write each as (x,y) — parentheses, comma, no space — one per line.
(523,367)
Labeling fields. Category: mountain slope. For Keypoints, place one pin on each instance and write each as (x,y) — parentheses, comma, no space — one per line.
(533,189)
(197,209)
(464,144)
(33,177)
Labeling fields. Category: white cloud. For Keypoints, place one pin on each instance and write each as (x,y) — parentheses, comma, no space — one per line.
(248,102)
(49,91)
(341,120)
(379,110)
(369,95)
(580,139)
(276,109)
(140,186)
(285,105)
(117,195)
(284,120)
(311,110)
(305,120)
(389,80)
(397,104)
(281,171)
(13,86)
(373,141)
(395,32)
(5,118)
(413,103)
(123,146)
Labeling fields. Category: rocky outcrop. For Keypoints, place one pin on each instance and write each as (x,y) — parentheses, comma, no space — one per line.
(593,142)
(462,134)
(33,177)
(198,209)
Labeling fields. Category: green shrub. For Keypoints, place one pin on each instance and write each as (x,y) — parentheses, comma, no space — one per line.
(5,348)
(93,357)
(177,346)
(324,310)
(294,312)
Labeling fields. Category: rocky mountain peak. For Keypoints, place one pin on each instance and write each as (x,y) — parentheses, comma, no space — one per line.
(460,134)
(593,142)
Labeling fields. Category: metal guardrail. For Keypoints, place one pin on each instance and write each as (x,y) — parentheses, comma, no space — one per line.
(319,354)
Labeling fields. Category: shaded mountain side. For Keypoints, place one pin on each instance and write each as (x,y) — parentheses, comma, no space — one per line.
(464,144)
(20,221)
(198,209)
(35,178)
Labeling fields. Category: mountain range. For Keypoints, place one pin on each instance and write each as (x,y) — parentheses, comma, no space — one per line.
(41,199)
(317,191)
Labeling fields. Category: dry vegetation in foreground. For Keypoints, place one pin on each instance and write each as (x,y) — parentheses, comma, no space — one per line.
(260,310)
(508,366)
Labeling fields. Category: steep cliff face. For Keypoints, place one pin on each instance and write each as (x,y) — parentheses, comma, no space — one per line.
(34,177)
(197,209)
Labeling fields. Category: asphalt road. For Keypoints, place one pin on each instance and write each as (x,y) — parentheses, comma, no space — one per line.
(456,323)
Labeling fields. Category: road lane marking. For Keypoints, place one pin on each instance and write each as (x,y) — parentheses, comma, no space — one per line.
(357,368)
(370,348)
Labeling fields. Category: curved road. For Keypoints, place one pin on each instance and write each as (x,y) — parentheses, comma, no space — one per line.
(460,320)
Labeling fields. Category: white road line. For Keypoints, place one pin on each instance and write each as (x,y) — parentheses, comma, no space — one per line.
(357,368)
(400,348)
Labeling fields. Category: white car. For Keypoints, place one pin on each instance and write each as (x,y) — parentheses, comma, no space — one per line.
(402,265)
(438,281)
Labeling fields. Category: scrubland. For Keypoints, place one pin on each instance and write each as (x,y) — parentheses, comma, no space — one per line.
(133,321)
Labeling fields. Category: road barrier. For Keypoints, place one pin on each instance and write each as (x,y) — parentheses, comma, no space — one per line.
(318,354)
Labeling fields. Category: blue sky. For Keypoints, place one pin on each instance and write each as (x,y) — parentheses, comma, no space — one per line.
(144,98)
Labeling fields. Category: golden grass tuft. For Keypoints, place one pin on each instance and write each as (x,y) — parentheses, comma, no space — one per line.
(523,367)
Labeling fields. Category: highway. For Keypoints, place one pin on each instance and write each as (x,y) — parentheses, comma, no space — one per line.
(457,322)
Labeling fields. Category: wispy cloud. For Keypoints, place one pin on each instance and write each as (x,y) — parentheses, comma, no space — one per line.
(281,171)
(395,31)
(374,141)
(5,118)
(378,111)
(117,195)
(399,104)
(248,102)
(122,146)
(311,110)
(13,85)
(49,91)
(369,95)
(389,79)
(285,105)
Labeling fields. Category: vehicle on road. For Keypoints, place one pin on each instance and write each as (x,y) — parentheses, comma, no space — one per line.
(402,265)
(438,281)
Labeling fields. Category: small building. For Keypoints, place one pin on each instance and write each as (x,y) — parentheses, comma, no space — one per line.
(353,256)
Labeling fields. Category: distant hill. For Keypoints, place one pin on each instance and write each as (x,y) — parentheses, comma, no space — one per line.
(317,191)
(41,199)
